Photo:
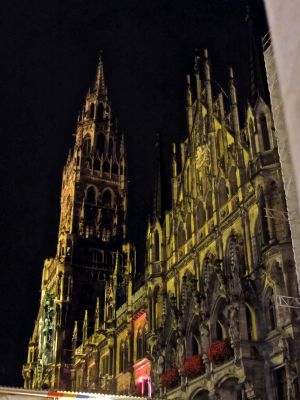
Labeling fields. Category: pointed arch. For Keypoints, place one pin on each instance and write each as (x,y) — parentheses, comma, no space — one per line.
(201,216)
(250,322)
(115,169)
(91,195)
(100,143)
(181,237)
(233,181)
(86,147)
(264,132)
(97,164)
(106,167)
(107,198)
(209,205)
(265,236)
(91,112)
(270,309)
(156,246)
(222,193)
(100,112)
(219,320)
(189,226)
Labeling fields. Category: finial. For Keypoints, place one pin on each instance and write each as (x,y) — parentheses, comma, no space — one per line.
(206,54)
(174,148)
(75,331)
(100,85)
(197,61)
(116,264)
(231,73)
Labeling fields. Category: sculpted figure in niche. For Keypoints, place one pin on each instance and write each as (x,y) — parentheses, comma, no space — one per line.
(234,328)
(180,351)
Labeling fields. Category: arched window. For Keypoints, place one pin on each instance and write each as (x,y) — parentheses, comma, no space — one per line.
(106,167)
(154,308)
(200,215)
(91,195)
(194,345)
(106,232)
(100,143)
(219,331)
(181,235)
(97,164)
(140,344)
(271,311)
(264,132)
(189,226)
(222,193)
(107,199)
(115,169)
(263,218)
(250,327)
(91,111)
(156,246)
(209,207)
(87,145)
(233,181)
(100,112)
(253,138)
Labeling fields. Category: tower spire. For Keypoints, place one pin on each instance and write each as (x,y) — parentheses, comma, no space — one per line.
(208,90)
(234,107)
(256,85)
(100,86)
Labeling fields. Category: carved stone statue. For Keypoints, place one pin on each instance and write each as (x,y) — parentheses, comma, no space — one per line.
(180,351)
(234,325)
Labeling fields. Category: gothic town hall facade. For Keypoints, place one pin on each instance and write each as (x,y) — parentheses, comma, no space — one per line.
(206,322)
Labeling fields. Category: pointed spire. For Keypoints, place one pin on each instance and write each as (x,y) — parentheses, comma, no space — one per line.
(100,82)
(256,83)
(234,107)
(174,161)
(116,265)
(197,76)
(122,146)
(85,328)
(74,338)
(208,89)
(97,316)
(189,108)
(160,196)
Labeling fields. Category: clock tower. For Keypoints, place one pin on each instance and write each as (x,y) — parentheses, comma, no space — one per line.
(91,239)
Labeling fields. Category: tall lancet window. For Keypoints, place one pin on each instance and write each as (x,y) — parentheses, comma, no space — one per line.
(156,246)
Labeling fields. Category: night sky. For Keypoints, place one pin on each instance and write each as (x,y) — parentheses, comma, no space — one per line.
(49,51)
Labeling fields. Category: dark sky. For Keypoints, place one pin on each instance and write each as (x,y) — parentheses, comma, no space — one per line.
(49,52)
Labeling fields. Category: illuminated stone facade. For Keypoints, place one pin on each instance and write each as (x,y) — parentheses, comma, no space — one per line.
(206,323)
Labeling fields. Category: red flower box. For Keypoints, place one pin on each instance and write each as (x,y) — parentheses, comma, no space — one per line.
(170,378)
(220,351)
(193,366)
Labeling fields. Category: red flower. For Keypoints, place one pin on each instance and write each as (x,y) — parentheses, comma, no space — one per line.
(193,366)
(220,351)
(170,378)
